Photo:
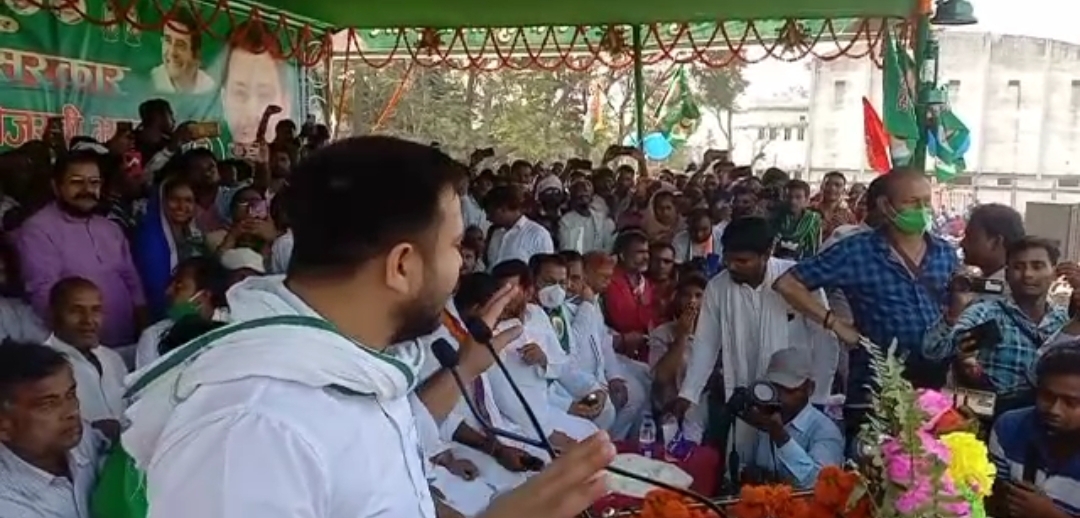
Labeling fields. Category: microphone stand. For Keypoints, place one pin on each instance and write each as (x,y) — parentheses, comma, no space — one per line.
(482,334)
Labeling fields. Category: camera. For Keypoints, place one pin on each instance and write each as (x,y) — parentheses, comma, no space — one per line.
(982,285)
(760,394)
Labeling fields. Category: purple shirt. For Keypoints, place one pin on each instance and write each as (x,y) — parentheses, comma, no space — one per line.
(53,245)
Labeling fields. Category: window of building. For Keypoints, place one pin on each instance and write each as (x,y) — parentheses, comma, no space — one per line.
(1014,92)
(954,91)
(962,180)
(1004,182)
(787,133)
(761,133)
(773,132)
(1071,183)
(801,134)
(839,93)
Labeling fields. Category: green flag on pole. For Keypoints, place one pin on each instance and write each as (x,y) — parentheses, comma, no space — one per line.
(951,140)
(678,114)
(898,106)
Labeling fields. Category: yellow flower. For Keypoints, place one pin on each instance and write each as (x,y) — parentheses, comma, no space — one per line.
(970,464)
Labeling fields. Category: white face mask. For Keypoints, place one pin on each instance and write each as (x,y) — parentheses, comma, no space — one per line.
(552,296)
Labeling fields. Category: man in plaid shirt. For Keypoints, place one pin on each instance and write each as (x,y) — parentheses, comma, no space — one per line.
(895,278)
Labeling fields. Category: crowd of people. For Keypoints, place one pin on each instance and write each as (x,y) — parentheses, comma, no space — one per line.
(258,335)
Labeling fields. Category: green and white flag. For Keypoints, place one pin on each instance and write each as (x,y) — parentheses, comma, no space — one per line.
(677,115)
(898,106)
(952,138)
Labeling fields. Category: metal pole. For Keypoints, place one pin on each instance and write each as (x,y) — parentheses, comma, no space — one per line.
(639,88)
(926,49)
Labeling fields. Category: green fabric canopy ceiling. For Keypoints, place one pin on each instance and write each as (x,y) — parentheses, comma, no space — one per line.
(517,13)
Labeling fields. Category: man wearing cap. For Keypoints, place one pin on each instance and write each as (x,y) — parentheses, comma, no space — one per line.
(795,439)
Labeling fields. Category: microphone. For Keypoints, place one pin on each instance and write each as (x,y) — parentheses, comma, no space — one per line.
(448,359)
(477,330)
(482,334)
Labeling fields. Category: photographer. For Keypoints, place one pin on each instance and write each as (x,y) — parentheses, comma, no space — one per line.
(794,439)
(993,342)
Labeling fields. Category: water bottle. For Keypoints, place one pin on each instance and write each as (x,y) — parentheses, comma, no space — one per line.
(647,436)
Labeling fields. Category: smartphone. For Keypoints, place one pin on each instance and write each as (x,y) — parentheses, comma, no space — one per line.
(986,334)
(592,399)
(205,129)
(258,209)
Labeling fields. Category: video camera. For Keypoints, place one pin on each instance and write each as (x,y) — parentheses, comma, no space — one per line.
(761,394)
(970,279)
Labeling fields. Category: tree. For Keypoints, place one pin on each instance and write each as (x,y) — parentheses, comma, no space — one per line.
(719,88)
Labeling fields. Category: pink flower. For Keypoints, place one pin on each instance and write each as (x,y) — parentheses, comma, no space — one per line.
(934,403)
(914,498)
(933,446)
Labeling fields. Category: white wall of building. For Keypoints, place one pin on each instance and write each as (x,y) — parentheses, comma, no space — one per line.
(771,134)
(1019,95)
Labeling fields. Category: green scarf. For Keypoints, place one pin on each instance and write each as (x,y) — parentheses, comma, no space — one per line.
(804,232)
(561,325)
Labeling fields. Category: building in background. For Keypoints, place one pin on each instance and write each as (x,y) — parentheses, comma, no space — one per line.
(1019,95)
(771,133)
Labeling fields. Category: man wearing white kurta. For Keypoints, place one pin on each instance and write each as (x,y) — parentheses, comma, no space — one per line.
(516,236)
(99,371)
(302,407)
(584,228)
(745,321)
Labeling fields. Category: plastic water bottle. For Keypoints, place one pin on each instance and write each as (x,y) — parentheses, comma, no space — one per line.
(647,436)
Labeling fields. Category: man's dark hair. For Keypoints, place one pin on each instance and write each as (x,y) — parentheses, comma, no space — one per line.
(539,261)
(797,185)
(512,268)
(72,158)
(208,275)
(658,246)
(751,234)
(188,27)
(1031,243)
(25,362)
(357,198)
(572,256)
(774,175)
(875,191)
(510,197)
(628,238)
(474,289)
(698,214)
(998,220)
(63,289)
(691,280)
(152,108)
(1059,360)
(834,174)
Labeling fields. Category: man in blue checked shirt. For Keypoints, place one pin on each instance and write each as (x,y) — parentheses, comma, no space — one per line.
(1025,320)
(895,278)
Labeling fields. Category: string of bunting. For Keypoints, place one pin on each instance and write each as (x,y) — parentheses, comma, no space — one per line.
(719,45)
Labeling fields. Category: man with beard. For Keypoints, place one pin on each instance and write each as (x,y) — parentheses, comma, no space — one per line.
(67,238)
(744,202)
(585,229)
(1036,449)
(302,406)
(746,321)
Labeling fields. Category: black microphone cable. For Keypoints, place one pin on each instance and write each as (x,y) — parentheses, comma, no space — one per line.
(482,331)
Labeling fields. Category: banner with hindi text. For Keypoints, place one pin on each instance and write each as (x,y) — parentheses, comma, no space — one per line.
(92,68)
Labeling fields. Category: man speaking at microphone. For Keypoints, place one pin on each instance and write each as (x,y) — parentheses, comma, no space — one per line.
(303,408)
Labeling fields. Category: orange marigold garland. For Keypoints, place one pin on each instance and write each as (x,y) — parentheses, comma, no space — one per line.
(666,504)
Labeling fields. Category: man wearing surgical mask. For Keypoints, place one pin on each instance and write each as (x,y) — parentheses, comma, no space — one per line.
(196,291)
(581,383)
(895,278)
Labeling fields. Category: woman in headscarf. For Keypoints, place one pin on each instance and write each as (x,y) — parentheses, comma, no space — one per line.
(250,225)
(166,236)
(662,220)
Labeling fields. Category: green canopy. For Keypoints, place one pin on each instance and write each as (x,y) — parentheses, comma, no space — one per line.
(518,13)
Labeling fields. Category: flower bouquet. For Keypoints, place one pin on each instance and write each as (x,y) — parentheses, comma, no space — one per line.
(919,458)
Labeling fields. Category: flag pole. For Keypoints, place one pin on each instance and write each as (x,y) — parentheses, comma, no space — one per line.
(639,88)
(926,68)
